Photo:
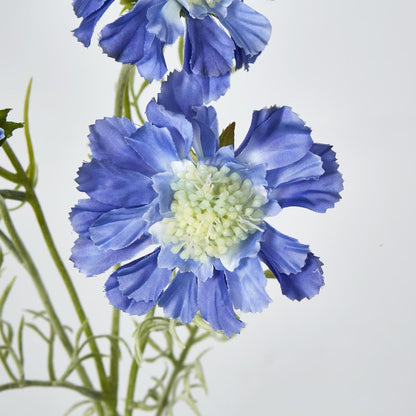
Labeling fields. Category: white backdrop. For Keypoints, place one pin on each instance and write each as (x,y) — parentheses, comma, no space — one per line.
(348,68)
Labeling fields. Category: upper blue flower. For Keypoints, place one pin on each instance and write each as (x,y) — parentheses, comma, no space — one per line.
(220,35)
(169,183)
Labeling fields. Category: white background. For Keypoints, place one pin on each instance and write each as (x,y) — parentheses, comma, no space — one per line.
(348,68)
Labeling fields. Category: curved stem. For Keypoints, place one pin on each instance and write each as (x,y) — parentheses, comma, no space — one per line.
(177,368)
(95,395)
(134,369)
(121,88)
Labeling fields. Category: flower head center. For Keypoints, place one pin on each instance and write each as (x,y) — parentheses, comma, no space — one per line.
(213,211)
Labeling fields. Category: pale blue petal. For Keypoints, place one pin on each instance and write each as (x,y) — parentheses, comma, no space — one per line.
(165,21)
(124,39)
(107,141)
(202,8)
(108,184)
(214,302)
(122,302)
(277,137)
(180,298)
(142,280)
(161,184)
(284,253)
(85,30)
(317,195)
(120,227)
(155,146)
(179,127)
(247,286)
(307,168)
(305,284)
(90,260)
(180,93)
(211,50)
(205,126)
(249,29)
(85,213)
(152,66)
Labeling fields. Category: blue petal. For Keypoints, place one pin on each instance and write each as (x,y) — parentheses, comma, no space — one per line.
(179,127)
(165,21)
(277,137)
(107,141)
(317,195)
(161,184)
(304,284)
(1,134)
(90,260)
(124,39)
(249,29)
(180,93)
(122,302)
(85,30)
(224,155)
(202,8)
(84,8)
(205,126)
(309,167)
(155,146)
(169,260)
(213,87)
(180,299)
(214,302)
(242,59)
(85,213)
(119,228)
(152,65)
(209,48)
(142,280)
(115,186)
(247,286)
(282,253)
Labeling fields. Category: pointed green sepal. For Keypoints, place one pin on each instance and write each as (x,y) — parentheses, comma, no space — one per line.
(227,135)
(269,274)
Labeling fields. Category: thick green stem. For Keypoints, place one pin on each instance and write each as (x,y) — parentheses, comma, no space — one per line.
(114,361)
(177,368)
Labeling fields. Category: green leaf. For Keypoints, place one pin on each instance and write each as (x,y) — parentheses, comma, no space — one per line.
(269,274)
(7,126)
(227,135)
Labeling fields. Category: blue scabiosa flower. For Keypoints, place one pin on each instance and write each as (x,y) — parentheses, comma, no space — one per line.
(219,34)
(199,209)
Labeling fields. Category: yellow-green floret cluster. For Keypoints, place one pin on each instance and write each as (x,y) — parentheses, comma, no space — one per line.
(214,209)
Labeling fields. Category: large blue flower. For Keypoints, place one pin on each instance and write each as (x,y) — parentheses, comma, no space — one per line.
(169,183)
(219,34)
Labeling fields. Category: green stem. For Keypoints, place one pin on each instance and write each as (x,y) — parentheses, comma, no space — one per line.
(47,236)
(95,395)
(10,194)
(32,165)
(121,88)
(134,369)
(114,360)
(43,294)
(8,175)
(177,368)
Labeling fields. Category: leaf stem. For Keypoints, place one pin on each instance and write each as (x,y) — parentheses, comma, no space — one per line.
(177,368)
(93,394)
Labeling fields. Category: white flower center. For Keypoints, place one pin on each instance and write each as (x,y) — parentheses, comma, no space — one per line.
(213,211)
